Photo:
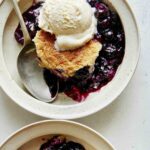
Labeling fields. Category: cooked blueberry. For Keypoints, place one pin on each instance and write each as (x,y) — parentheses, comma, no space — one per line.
(63,147)
(105,69)
(74,146)
(109,73)
(83,85)
(115,20)
(115,62)
(120,53)
(108,35)
(47,146)
(82,74)
(102,11)
(101,61)
(35,12)
(57,140)
(98,37)
(110,51)
(103,24)
(120,39)
(51,81)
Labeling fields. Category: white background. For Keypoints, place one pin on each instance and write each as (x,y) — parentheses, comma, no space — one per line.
(126,122)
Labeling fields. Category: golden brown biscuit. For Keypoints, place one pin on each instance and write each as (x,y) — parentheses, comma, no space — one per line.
(64,62)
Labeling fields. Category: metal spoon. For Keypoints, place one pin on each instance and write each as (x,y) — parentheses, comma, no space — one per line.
(30,72)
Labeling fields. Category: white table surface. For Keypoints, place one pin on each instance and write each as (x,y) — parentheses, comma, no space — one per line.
(126,122)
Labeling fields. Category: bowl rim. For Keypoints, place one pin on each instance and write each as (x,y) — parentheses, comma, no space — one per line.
(11,92)
(67,122)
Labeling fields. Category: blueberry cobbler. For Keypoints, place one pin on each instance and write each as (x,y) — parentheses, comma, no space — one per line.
(60,143)
(79,43)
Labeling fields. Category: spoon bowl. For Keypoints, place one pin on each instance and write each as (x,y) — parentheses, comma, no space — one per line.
(32,75)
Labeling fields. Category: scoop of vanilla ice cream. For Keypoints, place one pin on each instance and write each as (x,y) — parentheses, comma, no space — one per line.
(71,21)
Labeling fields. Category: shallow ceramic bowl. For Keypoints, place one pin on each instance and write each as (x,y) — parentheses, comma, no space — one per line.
(32,136)
(63,107)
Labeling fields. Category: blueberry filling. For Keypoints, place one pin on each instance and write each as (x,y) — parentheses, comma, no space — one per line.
(60,143)
(110,34)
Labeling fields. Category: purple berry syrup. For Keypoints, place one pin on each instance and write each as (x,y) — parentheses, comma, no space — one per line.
(110,34)
(60,143)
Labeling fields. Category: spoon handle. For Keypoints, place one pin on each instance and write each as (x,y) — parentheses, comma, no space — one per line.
(27,38)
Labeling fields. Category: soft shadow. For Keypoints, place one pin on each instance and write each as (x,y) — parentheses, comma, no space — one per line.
(102,120)
(14,113)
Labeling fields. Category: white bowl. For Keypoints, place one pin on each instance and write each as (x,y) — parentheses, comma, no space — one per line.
(64,108)
(31,137)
